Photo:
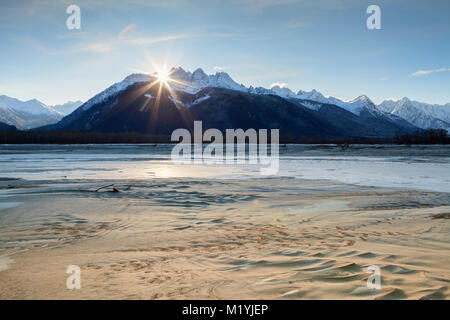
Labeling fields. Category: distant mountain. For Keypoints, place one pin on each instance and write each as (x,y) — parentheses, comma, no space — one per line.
(420,114)
(26,114)
(32,106)
(68,107)
(11,117)
(401,115)
(368,123)
(136,105)
(33,113)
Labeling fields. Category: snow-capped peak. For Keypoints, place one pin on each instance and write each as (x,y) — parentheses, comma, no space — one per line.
(34,106)
(312,95)
(360,104)
(283,92)
(199,79)
(179,73)
(422,115)
(68,107)
(192,82)
(117,87)
(362,98)
(387,105)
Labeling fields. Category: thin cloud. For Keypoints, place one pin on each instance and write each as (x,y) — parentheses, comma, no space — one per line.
(427,72)
(127,40)
(278,84)
(124,41)
(129,28)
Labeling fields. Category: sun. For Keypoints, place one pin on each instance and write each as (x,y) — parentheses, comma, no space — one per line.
(163,76)
(167,84)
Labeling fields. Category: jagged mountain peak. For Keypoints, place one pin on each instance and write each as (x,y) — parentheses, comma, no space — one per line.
(175,69)
(420,114)
(138,77)
(282,91)
(193,82)
(362,98)
(35,101)
(199,71)
(26,114)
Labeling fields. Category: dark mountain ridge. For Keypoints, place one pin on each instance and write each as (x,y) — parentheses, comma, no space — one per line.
(146,109)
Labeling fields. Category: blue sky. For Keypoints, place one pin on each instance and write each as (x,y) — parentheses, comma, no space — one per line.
(305,44)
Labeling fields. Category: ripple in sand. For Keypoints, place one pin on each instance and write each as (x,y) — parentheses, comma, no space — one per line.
(398,270)
(368,255)
(391,294)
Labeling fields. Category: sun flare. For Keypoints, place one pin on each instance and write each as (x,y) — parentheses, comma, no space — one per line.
(163,76)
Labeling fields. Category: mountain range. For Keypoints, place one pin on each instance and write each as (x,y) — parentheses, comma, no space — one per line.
(135,105)
(33,113)
(420,114)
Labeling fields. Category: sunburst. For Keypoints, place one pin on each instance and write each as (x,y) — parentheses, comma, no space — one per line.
(163,79)
(163,75)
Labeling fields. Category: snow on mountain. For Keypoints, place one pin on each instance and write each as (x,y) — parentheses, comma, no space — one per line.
(361,104)
(199,79)
(27,114)
(441,112)
(358,106)
(117,87)
(192,82)
(33,113)
(420,114)
(34,106)
(198,100)
(387,105)
(355,106)
(313,95)
(284,92)
(11,117)
(67,107)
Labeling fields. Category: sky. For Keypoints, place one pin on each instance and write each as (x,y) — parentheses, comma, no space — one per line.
(303,44)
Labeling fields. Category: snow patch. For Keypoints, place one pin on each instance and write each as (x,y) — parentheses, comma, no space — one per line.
(176,102)
(197,101)
(118,87)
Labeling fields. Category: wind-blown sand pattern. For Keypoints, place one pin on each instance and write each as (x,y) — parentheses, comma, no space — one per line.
(199,238)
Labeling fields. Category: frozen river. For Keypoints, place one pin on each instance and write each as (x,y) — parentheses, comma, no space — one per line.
(411,167)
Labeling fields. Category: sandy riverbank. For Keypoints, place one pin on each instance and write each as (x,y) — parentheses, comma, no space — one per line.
(273,238)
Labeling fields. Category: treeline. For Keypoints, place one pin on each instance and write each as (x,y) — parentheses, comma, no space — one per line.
(77,137)
(430,136)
